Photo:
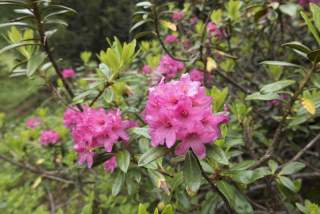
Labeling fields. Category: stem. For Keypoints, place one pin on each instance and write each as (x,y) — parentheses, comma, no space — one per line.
(46,48)
(215,189)
(108,84)
(308,146)
(278,132)
(156,26)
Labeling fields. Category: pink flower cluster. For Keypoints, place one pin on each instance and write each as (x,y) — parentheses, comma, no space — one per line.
(49,137)
(196,75)
(306,2)
(33,122)
(110,164)
(95,128)
(181,111)
(170,39)
(146,69)
(177,15)
(169,67)
(68,73)
(215,31)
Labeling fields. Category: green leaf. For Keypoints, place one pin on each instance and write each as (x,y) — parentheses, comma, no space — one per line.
(259,96)
(142,209)
(141,132)
(191,172)
(287,182)
(14,24)
(118,182)
(273,166)
(105,70)
(243,165)
(123,160)
(297,46)
(250,176)
(315,9)
(235,198)
(291,168)
(311,27)
(280,63)
(35,62)
(217,154)
(152,155)
(276,86)
(17,45)
(290,9)
(314,56)
(233,10)
(168,209)
(138,24)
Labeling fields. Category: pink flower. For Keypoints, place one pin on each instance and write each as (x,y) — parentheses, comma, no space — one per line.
(169,67)
(215,31)
(177,15)
(193,20)
(95,128)
(49,137)
(110,164)
(196,75)
(305,3)
(146,69)
(170,39)
(33,122)
(68,73)
(181,111)
(186,43)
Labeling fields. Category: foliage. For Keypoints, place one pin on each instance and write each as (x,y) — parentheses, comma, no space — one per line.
(225,111)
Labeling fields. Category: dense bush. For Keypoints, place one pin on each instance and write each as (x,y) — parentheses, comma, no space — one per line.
(212,107)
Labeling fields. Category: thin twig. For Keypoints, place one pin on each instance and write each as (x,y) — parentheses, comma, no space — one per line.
(278,131)
(215,189)
(308,146)
(107,84)
(46,48)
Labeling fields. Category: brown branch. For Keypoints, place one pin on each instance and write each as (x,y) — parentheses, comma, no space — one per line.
(107,84)
(213,186)
(44,174)
(308,146)
(45,45)
(278,131)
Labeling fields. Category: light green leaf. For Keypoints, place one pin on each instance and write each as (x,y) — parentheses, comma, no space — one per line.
(315,9)
(273,166)
(35,62)
(287,182)
(311,27)
(141,132)
(276,86)
(280,63)
(168,209)
(243,165)
(259,96)
(297,46)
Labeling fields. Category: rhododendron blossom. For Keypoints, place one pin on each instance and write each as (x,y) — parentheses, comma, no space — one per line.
(68,73)
(169,67)
(110,164)
(177,15)
(146,69)
(306,2)
(48,137)
(170,39)
(215,31)
(181,111)
(33,122)
(95,128)
(196,75)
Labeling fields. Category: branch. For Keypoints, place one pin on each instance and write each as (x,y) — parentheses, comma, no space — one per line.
(46,48)
(278,132)
(215,189)
(308,146)
(44,174)
(106,85)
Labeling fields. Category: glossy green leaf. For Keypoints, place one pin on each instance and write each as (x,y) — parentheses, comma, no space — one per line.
(217,154)
(259,96)
(280,63)
(297,46)
(118,182)
(315,10)
(152,155)
(123,160)
(276,86)
(291,168)
(191,172)
(311,27)
(235,198)
(141,132)
(287,182)
(35,62)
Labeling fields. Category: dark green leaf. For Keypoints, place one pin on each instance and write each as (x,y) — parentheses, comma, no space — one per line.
(259,96)
(314,56)
(311,27)
(217,154)
(16,45)
(276,86)
(191,172)
(35,62)
(291,168)
(287,182)
(297,46)
(118,182)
